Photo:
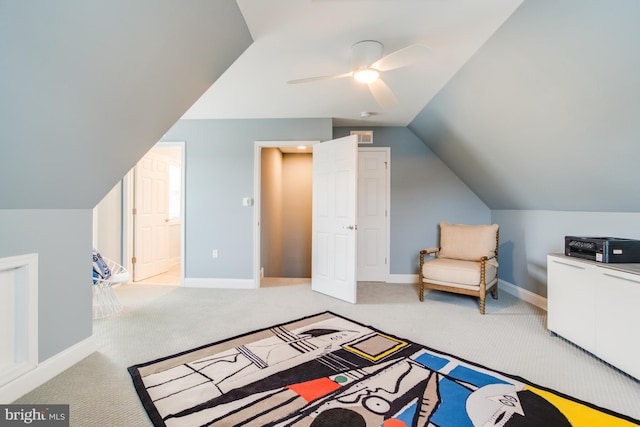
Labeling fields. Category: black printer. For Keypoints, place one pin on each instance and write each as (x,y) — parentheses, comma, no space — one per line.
(603,249)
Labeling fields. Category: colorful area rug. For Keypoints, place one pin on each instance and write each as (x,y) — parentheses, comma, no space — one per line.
(329,371)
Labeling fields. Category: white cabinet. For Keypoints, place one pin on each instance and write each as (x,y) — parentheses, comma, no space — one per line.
(571,301)
(595,306)
(618,321)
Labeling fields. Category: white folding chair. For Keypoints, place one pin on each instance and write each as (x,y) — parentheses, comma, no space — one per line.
(105,301)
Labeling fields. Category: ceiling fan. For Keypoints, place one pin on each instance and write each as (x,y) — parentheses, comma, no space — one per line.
(368,63)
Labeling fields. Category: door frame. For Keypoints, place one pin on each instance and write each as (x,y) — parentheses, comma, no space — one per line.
(128,203)
(387,254)
(257,185)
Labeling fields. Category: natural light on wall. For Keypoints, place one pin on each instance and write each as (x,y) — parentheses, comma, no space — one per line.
(174,192)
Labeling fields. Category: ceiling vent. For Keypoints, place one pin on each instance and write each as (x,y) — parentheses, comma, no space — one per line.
(364,136)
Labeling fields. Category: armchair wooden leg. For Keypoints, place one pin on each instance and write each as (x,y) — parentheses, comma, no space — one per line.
(494,292)
(481,305)
(421,291)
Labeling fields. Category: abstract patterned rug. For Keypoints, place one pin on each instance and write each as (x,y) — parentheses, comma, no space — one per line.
(329,371)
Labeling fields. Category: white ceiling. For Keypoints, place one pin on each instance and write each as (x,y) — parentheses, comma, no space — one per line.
(295,39)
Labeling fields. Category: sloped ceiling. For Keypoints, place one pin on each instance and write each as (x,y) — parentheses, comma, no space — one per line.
(295,39)
(545,116)
(87,87)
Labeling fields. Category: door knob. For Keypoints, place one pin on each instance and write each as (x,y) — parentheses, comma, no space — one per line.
(350,227)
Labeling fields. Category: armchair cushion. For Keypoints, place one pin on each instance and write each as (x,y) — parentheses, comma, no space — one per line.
(467,242)
(452,272)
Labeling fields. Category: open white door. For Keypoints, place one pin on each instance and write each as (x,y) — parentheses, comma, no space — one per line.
(151,204)
(335,171)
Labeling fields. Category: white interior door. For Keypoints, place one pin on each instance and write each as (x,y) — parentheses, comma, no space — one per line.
(372,214)
(151,204)
(335,171)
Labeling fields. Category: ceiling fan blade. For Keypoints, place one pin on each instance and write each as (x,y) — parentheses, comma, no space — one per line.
(402,57)
(383,94)
(319,78)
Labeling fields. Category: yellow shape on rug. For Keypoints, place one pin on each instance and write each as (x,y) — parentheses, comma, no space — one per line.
(580,415)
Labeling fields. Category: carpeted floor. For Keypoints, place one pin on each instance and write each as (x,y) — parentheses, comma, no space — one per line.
(159,321)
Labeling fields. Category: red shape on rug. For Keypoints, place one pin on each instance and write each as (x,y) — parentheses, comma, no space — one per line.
(314,389)
(392,422)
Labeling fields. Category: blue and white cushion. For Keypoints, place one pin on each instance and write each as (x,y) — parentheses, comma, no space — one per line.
(101,270)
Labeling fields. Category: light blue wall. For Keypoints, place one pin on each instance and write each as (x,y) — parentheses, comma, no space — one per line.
(527,236)
(545,114)
(542,124)
(424,192)
(219,173)
(88,88)
(219,167)
(62,240)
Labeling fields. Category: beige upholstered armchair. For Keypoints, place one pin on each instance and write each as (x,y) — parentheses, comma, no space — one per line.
(465,263)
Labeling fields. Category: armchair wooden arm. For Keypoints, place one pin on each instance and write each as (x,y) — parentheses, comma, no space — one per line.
(428,251)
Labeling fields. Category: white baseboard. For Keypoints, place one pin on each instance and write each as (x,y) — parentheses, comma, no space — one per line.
(523,294)
(46,370)
(196,282)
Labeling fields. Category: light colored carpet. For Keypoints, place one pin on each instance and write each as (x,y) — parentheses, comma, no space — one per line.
(159,321)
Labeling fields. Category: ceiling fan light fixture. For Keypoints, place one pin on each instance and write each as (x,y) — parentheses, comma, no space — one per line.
(366,75)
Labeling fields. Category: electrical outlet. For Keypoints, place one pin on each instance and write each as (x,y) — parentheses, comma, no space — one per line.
(214,253)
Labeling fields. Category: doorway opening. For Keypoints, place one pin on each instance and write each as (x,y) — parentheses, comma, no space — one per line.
(283,208)
(155,207)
